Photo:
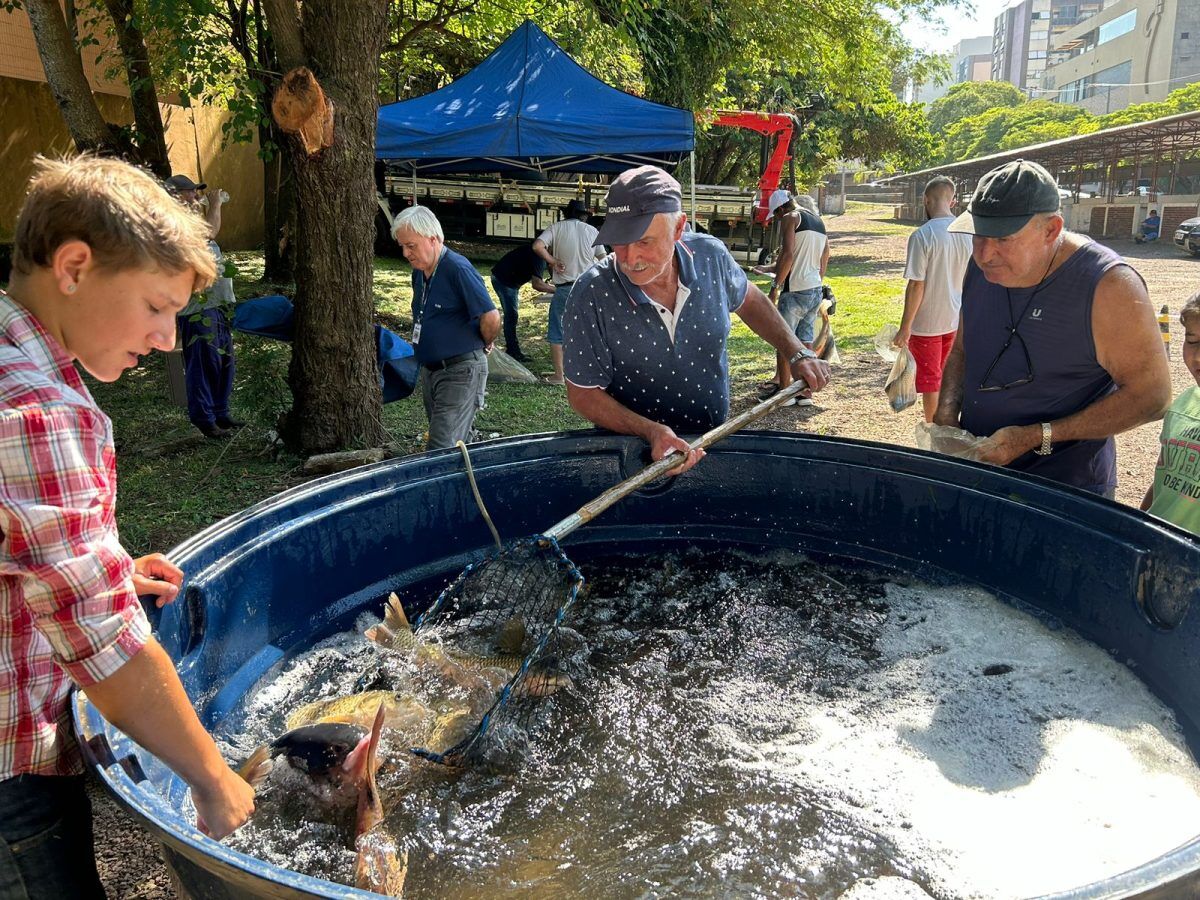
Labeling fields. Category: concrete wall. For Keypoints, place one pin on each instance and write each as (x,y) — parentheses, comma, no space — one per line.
(1123,218)
(32,125)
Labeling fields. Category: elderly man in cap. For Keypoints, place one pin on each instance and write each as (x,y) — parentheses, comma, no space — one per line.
(797,277)
(568,247)
(646,328)
(1058,348)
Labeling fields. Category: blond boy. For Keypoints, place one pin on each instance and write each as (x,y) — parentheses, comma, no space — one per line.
(103,259)
(1175,493)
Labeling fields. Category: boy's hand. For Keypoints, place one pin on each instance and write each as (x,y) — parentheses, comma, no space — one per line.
(157,575)
(225,807)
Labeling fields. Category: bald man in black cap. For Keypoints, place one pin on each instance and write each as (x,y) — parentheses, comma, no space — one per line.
(1058,347)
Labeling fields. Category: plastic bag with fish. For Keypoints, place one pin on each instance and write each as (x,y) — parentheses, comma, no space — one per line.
(901,385)
(948,440)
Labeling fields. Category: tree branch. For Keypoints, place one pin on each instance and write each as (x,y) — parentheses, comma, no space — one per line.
(283,18)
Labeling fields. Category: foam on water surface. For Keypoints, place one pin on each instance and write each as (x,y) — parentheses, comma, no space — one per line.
(764,726)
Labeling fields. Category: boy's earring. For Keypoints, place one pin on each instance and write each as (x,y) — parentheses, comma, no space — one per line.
(70,288)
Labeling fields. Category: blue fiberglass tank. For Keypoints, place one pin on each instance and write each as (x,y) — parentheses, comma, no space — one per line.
(270,581)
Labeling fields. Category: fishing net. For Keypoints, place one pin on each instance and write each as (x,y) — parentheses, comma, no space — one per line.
(525,590)
(530,583)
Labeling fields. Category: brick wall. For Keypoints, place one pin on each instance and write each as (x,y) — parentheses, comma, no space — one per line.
(1096,224)
(1120,222)
(1173,215)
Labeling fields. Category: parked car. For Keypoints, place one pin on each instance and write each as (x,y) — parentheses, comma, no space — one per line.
(1187,236)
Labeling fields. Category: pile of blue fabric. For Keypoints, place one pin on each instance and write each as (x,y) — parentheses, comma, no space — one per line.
(271,317)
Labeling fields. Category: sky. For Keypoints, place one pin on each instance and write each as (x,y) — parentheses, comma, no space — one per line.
(972,20)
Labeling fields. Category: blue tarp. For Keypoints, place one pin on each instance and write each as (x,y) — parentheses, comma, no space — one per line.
(529,106)
(271,317)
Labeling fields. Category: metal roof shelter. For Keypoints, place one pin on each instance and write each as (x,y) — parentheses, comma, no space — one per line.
(1160,151)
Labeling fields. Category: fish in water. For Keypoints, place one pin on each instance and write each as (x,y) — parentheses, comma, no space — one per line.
(402,712)
(380,865)
(395,633)
(326,738)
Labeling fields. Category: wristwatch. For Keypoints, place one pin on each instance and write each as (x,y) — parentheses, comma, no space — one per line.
(1046,447)
(802,353)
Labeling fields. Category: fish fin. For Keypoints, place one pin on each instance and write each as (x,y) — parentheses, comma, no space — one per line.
(394,617)
(380,634)
(362,766)
(254,771)
(512,636)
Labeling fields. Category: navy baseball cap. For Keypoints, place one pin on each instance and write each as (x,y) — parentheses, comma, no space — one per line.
(1006,198)
(635,197)
(183,183)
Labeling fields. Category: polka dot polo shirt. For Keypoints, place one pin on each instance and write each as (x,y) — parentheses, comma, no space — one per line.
(670,369)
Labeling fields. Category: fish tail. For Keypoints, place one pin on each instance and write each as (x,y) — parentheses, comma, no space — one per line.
(394,617)
(255,769)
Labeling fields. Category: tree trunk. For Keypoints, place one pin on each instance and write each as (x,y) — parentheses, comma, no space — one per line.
(147,117)
(64,74)
(334,375)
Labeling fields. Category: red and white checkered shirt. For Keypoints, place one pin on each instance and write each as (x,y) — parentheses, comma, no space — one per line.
(68,610)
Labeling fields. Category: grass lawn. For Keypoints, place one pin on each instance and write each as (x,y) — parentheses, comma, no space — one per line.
(171,488)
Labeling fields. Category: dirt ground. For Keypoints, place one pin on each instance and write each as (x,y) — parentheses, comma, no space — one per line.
(853,406)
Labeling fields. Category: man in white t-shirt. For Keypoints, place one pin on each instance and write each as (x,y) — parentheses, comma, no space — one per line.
(566,246)
(937,261)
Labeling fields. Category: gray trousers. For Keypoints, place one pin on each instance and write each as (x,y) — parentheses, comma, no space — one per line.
(452,398)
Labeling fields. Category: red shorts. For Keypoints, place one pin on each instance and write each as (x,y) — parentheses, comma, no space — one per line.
(930,352)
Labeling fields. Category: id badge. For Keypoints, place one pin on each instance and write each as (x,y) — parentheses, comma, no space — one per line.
(416,333)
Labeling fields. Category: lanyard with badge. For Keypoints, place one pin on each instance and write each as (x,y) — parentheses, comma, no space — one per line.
(426,282)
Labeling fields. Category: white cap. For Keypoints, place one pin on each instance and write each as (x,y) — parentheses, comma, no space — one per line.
(778,198)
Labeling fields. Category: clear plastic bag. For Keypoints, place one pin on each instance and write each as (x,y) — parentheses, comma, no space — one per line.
(948,440)
(901,384)
(502,367)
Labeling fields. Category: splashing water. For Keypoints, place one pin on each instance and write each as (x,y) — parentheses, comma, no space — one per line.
(761,725)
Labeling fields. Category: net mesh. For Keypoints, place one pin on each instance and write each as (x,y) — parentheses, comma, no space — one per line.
(508,609)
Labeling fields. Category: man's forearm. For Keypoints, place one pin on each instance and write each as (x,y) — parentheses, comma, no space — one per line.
(950,396)
(540,248)
(914,295)
(761,316)
(599,408)
(489,326)
(1127,407)
(145,699)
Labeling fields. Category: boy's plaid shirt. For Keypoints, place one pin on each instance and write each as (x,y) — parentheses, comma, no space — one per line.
(68,611)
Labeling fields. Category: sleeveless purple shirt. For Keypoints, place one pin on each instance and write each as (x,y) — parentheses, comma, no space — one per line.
(1055,321)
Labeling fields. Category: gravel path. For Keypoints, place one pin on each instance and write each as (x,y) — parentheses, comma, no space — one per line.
(853,406)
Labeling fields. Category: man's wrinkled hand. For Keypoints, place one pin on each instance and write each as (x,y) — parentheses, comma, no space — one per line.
(814,372)
(664,440)
(901,338)
(158,576)
(1008,443)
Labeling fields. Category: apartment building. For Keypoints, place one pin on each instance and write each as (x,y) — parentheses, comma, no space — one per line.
(1025,32)
(972,59)
(1132,51)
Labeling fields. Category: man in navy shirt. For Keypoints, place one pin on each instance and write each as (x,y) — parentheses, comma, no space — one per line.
(455,324)
(517,267)
(645,328)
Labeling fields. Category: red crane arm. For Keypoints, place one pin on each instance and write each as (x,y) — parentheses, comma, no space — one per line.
(777,125)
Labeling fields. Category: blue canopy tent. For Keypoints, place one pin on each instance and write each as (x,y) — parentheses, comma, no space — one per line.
(530,107)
